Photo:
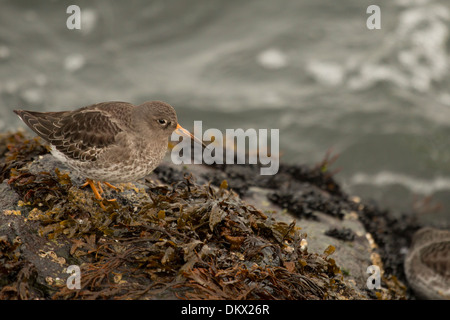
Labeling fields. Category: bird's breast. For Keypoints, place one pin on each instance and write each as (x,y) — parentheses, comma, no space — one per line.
(120,163)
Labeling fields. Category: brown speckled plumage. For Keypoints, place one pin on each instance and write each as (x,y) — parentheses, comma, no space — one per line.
(109,141)
(427,265)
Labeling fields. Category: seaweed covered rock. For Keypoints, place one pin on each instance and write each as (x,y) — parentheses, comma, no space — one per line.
(183,232)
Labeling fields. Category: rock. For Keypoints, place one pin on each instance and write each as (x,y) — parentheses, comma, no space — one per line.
(183,230)
(353,258)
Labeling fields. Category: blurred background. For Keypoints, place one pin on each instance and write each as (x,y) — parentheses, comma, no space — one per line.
(310,68)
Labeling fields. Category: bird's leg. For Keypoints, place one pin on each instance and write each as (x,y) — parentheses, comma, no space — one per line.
(100,187)
(111,186)
(84,185)
(94,189)
(98,194)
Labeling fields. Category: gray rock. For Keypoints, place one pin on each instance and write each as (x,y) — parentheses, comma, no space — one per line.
(51,258)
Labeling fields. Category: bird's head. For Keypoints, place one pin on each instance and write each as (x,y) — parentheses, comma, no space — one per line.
(160,119)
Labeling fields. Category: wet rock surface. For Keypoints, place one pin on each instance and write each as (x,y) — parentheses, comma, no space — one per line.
(195,232)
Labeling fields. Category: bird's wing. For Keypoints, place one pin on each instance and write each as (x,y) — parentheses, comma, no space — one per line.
(81,134)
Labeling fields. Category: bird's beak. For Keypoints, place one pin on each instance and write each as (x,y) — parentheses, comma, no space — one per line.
(182,131)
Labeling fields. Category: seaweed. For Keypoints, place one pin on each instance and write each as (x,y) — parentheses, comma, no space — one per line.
(168,239)
(40,189)
(17,276)
(391,234)
(343,234)
(16,151)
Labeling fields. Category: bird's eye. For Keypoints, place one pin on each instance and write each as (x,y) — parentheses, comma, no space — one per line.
(162,122)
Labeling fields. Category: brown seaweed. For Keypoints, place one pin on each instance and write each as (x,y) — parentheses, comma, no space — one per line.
(180,240)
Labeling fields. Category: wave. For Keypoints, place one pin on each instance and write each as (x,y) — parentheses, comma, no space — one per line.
(416,185)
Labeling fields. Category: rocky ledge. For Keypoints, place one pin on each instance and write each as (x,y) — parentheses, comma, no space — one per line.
(191,232)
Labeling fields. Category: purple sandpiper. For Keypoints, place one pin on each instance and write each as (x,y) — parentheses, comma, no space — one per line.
(109,142)
(427,265)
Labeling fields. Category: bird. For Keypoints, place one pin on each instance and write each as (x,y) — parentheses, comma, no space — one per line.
(108,142)
(427,264)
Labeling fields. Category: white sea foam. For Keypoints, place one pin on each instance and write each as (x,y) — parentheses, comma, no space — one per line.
(416,185)
(326,73)
(74,61)
(272,59)
(414,56)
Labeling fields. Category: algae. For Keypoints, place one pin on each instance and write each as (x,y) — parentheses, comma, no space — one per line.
(166,238)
